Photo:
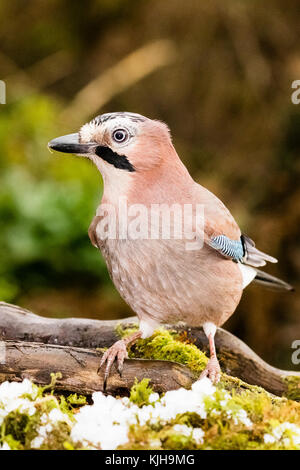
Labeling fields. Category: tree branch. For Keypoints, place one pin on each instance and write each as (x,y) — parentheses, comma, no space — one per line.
(78,368)
(19,328)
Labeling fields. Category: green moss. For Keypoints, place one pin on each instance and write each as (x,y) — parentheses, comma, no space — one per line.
(166,345)
(19,429)
(13,443)
(123,332)
(292,384)
(58,438)
(232,441)
(15,425)
(76,400)
(140,392)
(172,346)
(175,441)
(68,446)
(54,378)
(230,383)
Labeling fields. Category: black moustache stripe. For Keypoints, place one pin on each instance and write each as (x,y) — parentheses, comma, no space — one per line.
(118,161)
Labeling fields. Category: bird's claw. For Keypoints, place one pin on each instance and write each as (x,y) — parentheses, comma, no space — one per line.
(116,351)
(212,370)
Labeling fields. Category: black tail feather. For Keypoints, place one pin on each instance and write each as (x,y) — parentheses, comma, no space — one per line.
(271,281)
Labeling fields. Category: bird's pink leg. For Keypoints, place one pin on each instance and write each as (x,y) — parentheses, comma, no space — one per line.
(119,352)
(212,370)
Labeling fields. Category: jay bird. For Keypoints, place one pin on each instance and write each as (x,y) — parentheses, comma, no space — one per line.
(161,280)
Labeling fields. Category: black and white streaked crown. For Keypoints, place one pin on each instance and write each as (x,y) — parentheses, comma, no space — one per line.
(134,117)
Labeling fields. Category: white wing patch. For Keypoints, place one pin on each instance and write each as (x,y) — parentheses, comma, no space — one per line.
(248,274)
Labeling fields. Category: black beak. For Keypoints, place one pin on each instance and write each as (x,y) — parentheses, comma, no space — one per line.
(70,144)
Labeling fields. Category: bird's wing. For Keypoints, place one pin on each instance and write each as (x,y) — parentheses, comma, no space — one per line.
(222,233)
(242,250)
(232,249)
(253,256)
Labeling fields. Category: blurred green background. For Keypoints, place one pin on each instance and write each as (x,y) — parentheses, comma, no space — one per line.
(219,73)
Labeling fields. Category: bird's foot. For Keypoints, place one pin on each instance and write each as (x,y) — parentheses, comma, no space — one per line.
(117,351)
(212,370)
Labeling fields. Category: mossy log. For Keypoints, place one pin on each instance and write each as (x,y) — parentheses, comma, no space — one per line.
(19,325)
(77,369)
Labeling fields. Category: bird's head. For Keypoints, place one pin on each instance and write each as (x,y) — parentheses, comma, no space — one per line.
(124,141)
(131,152)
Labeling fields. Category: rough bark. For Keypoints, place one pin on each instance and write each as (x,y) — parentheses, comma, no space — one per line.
(78,368)
(38,360)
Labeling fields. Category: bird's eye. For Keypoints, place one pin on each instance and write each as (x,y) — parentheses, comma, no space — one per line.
(120,135)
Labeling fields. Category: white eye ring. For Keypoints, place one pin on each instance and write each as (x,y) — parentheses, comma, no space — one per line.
(120,135)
